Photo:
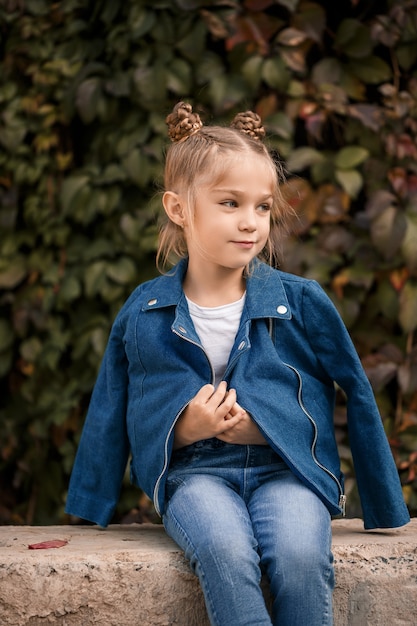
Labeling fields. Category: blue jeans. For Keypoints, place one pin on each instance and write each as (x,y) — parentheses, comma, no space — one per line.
(238,512)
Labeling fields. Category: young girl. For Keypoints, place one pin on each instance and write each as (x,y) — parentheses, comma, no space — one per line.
(218,378)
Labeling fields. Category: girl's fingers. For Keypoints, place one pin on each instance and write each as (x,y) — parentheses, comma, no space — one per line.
(205,393)
(219,402)
(230,422)
(226,404)
(236,408)
(211,396)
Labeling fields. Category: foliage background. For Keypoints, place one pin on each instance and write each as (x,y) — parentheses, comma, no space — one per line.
(84,90)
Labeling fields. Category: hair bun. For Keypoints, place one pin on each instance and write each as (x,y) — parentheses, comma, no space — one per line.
(182,122)
(249,123)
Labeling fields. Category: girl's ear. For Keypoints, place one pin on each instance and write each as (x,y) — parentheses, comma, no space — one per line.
(173,207)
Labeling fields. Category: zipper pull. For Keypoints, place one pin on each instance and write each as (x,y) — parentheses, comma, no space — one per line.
(342,504)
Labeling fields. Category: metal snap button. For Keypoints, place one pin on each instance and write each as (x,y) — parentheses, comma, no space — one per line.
(282,309)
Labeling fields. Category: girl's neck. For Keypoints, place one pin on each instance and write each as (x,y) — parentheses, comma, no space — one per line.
(215,289)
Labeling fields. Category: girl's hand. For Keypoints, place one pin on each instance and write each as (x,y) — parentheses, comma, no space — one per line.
(245,432)
(212,412)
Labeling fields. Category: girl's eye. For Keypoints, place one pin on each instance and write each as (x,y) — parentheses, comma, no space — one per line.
(229,203)
(265,207)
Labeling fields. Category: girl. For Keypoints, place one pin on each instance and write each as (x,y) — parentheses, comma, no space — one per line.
(218,378)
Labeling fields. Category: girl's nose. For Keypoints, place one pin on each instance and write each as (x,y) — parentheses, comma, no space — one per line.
(248,220)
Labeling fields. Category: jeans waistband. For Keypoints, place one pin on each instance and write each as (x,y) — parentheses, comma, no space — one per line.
(215,452)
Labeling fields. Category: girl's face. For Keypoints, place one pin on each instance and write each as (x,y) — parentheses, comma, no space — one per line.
(231,219)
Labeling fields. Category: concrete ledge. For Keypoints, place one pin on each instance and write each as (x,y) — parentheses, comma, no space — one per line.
(136,576)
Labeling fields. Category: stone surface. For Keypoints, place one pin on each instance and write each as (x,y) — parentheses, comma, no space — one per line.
(136,576)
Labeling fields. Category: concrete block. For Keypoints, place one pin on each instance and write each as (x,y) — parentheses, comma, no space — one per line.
(134,575)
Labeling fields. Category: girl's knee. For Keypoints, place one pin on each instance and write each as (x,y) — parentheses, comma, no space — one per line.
(297,564)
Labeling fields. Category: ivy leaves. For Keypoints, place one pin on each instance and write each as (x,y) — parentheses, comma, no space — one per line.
(84,91)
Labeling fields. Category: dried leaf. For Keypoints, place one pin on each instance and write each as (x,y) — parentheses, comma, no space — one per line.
(44,545)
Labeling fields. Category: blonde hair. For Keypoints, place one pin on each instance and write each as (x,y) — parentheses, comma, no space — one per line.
(199,154)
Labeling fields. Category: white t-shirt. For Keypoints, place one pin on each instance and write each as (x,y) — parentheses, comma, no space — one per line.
(217,327)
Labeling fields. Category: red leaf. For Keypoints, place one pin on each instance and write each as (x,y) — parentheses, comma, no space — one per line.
(43,545)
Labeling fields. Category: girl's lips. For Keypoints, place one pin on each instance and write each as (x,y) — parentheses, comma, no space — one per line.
(244,244)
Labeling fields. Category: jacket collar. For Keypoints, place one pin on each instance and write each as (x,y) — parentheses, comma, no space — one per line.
(265,292)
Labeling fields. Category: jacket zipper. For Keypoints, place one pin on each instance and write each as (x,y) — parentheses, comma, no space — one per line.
(158,482)
(342,496)
(164,469)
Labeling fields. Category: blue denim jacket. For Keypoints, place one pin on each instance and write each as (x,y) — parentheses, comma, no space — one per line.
(290,349)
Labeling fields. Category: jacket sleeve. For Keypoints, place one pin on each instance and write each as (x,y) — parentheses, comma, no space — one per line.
(103,450)
(377,477)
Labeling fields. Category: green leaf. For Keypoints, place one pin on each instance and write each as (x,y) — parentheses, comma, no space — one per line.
(322,171)
(407,55)
(7,91)
(275,73)
(302,158)
(130,140)
(280,124)
(350,180)
(12,137)
(217,90)
(226,92)
(70,188)
(140,21)
(378,202)
(208,68)
(99,338)
(87,99)
(137,167)
(30,349)
(252,71)
(113,173)
(372,70)
(311,18)
(95,278)
(296,89)
(131,227)
(151,83)
(118,85)
(123,271)
(354,39)
(350,157)
(179,76)
(192,46)
(327,70)
(100,247)
(37,7)
(13,272)
(70,289)
(408,307)
(387,231)
(409,245)
(111,292)
(352,86)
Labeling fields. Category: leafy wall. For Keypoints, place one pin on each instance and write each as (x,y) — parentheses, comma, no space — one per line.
(84,90)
